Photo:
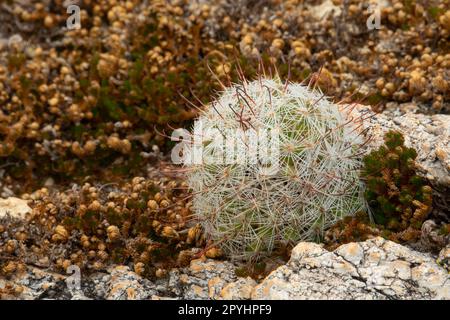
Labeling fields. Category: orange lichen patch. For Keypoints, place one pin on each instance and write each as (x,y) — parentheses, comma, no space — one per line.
(350,229)
(353,249)
(198,291)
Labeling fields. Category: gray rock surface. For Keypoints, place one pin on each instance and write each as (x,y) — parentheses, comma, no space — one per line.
(35,284)
(202,279)
(374,269)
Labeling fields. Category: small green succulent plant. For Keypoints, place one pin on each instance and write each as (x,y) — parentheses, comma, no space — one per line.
(290,171)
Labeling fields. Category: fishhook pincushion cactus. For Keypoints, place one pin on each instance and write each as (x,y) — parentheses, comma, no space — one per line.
(315,156)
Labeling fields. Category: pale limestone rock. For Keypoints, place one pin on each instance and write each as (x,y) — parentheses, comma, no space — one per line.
(432,277)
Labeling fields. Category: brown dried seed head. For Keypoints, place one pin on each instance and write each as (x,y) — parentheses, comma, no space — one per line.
(192,234)
(158,197)
(9,267)
(102,255)
(86,244)
(152,204)
(164,203)
(97,265)
(60,234)
(169,232)
(113,232)
(95,205)
(11,246)
(156,224)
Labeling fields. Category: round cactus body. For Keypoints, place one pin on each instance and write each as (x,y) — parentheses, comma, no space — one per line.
(274,163)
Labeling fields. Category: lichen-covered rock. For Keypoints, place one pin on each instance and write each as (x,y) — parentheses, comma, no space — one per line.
(205,279)
(374,269)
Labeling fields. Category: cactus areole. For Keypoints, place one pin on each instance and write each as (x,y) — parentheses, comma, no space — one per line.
(272,163)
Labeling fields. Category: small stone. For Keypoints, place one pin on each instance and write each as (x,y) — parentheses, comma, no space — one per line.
(15,207)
